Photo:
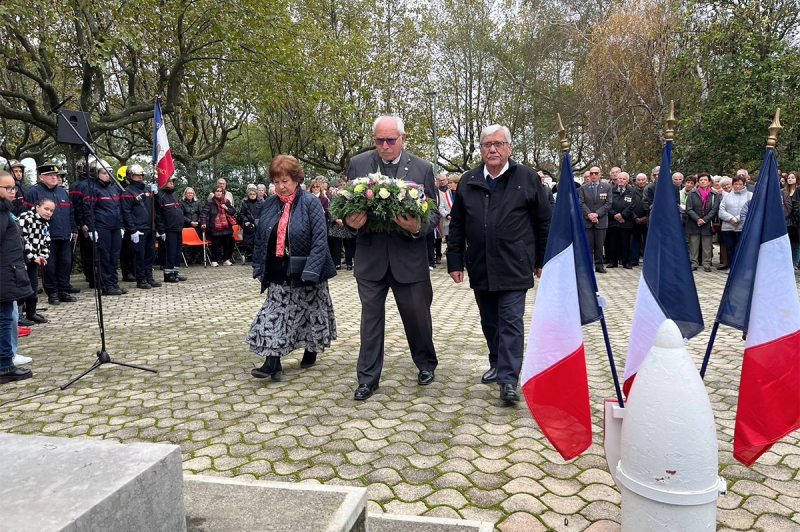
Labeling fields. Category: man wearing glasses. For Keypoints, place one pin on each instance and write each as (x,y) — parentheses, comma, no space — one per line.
(498,230)
(393,260)
(595,201)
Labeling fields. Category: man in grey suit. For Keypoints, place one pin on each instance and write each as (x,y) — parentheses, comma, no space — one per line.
(393,260)
(595,201)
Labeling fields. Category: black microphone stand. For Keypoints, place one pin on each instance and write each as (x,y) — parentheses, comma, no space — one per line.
(102,355)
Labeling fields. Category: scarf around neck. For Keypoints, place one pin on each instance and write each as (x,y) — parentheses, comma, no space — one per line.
(283,224)
(704,192)
(221,219)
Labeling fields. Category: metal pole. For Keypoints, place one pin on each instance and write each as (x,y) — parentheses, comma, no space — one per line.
(249,174)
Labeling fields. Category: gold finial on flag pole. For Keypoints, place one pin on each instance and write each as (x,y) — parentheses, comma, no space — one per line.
(772,140)
(562,134)
(669,134)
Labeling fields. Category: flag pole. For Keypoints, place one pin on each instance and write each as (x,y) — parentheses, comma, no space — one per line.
(772,141)
(565,148)
(153,171)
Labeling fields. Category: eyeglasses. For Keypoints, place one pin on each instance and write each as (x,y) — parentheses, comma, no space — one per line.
(496,144)
(594,173)
(9,189)
(389,141)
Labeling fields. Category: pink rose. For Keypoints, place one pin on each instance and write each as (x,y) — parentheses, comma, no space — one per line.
(369,193)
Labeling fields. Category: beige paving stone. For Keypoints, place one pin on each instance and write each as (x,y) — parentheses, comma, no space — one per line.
(523,502)
(405,508)
(775,523)
(521,522)
(605,526)
(442,512)
(561,487)
(561,522)
(737,519)
(758,505)
(411,492)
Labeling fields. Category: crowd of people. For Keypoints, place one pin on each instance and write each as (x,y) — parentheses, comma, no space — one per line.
(492,221)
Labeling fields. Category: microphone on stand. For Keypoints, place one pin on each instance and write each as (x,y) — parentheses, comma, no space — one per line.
(59,104)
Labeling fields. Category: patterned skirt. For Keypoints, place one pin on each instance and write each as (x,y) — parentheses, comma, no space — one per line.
(293,317)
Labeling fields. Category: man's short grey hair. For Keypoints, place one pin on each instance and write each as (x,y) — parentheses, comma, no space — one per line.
(656,169)
(626,174)
(743,172)
(494,128)
(401,127)
(641,174)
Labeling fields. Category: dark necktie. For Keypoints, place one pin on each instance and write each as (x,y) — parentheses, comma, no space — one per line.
(491,182)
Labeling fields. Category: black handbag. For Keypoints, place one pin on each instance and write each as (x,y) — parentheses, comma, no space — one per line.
(296,263)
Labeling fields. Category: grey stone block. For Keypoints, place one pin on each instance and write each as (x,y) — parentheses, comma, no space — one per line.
(229,504)
(410,523)
(76,485)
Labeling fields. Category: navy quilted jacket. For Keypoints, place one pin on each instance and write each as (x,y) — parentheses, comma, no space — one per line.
(308,236)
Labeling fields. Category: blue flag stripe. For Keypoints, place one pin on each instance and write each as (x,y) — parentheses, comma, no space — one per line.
(566,228)
(667,268)
(764,222)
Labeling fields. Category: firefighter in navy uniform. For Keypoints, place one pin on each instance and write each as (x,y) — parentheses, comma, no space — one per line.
(77,190)
(169,223)
(137,217)
(126,251)
(103,218)
(55,274)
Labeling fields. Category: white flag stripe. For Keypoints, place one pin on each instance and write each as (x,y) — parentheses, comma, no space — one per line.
(647,318)
(775,311)
(556,322)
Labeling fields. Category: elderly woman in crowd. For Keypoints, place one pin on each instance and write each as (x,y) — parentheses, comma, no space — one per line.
(261,191)
(730,213)
(217,219)
(191,218)
(702,205)
(726,184)
(249,213)
(291,258)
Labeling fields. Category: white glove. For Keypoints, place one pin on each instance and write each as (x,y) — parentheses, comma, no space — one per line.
(122,233)
(93,236)
(135,237)
(153,187)
(163,236)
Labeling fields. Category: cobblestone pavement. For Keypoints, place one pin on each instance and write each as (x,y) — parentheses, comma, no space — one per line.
(450,449)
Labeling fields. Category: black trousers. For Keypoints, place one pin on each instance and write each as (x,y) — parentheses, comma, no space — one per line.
(596,237)
(504,330)
(126,256)
(221,248)
(638,241)
(144,255)
(414,304)
(109,243)
(85,250)
(172,246)
(618,245)
(55,275)
(335,245)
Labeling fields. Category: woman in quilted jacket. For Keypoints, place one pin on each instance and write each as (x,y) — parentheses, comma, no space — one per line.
(292,261)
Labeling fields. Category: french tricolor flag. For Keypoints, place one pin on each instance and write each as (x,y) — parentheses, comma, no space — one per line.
(554,381)
(162,157)
(666,286)
(760,299)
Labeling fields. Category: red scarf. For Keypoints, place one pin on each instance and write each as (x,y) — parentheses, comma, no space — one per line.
(221,219)
(283,224)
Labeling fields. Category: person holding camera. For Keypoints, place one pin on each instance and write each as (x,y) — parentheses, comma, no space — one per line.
(291,258)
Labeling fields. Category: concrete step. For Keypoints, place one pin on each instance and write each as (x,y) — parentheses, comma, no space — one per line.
(70,484)
(230,505)
(408,523)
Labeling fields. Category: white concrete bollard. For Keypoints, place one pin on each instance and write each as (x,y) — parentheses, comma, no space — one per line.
(667,469)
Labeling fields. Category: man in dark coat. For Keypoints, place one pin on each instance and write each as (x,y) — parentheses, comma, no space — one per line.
(395,260)
(169,224)
(63,231)
(595,200)
(620,223)
(640,215)
(136,204)
(498,230)
(14,283)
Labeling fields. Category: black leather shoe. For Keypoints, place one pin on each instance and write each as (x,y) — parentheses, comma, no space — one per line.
(180,278)
(129,279)
(364,391)
(627,266)
(63,296)
(600,269)
(425,378)
(722,268)
(612,265)
(53,300)
(349,268)
(489,376)
(112,292)
(24,322)
(508,393)
(271,368)
(14,374)
(153,283)
(123,290)
(144,285)
(338,266)
(73,290)
(309,359)
(38,318)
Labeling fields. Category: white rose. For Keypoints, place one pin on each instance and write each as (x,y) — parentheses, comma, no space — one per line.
(383,193)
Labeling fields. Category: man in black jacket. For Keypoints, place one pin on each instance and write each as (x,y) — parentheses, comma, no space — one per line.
(136,204)
(498,229)
(14,283)
(169,224)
